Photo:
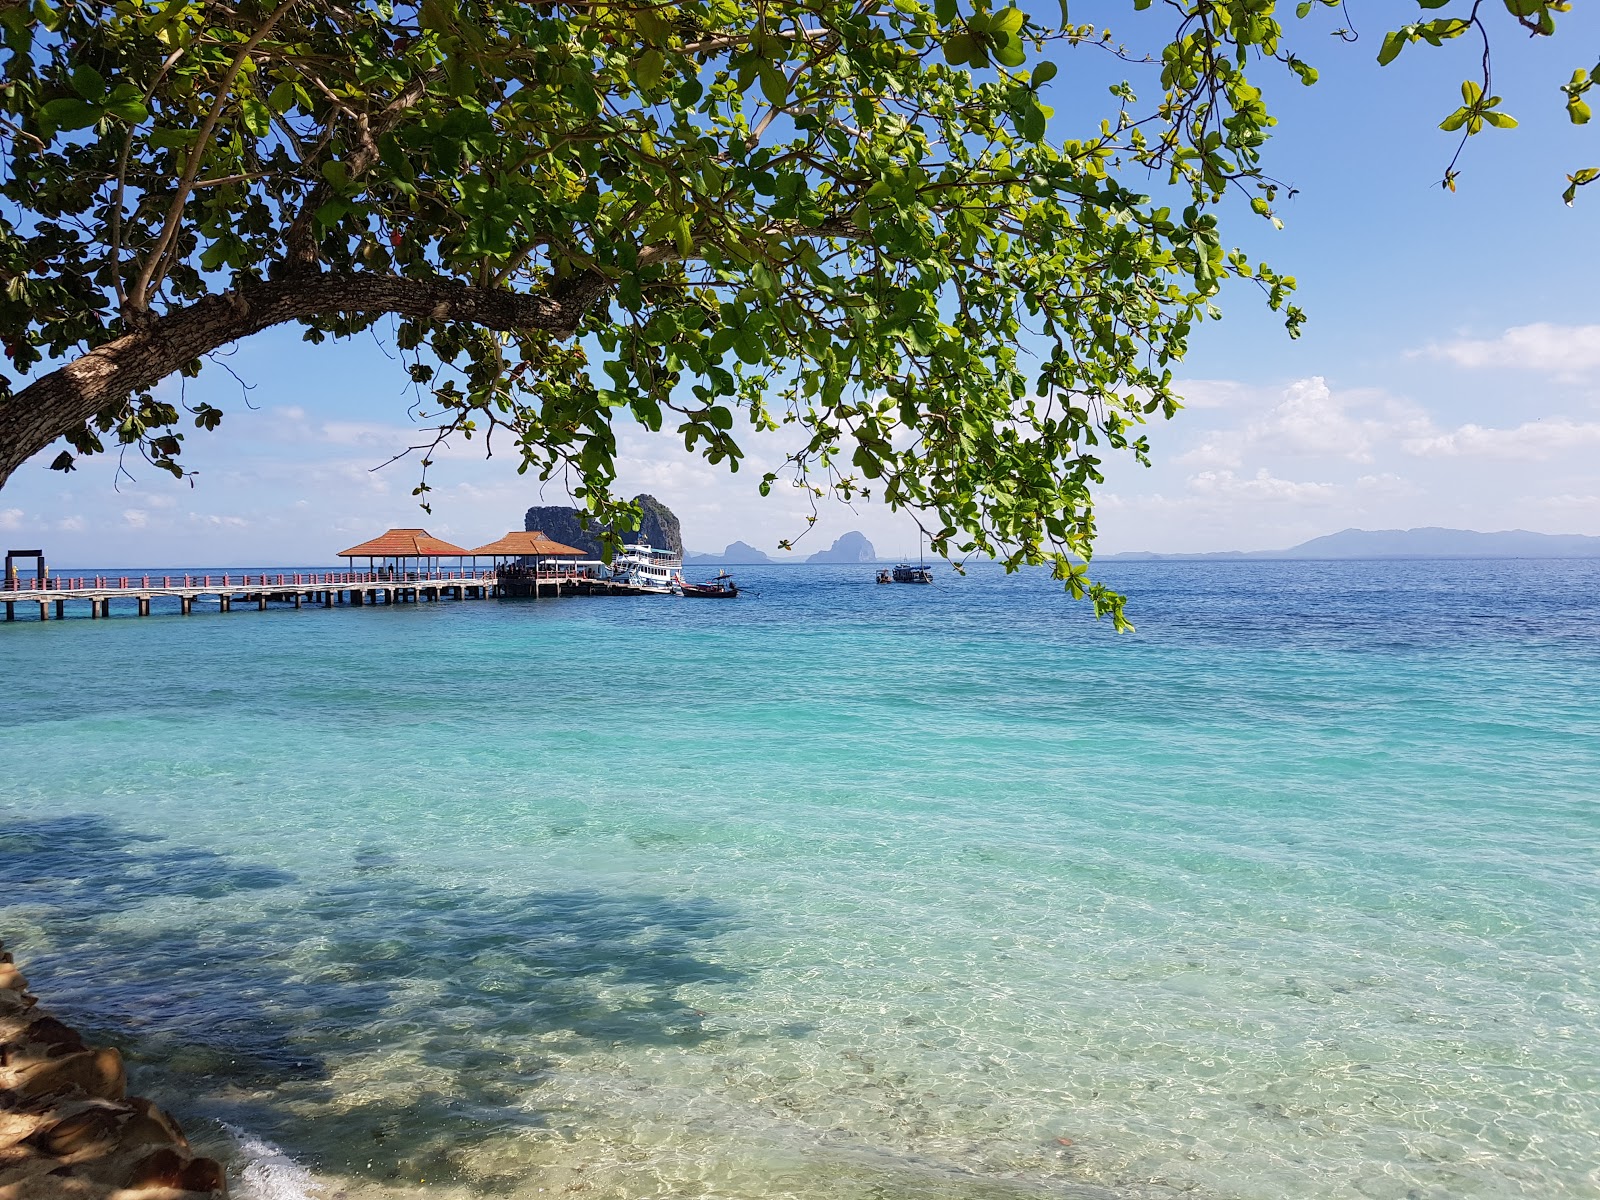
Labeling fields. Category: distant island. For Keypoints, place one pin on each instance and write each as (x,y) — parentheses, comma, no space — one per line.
(1429,542)
(737,554)
(851,547)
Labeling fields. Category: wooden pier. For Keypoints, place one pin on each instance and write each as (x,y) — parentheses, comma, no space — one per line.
(324,588)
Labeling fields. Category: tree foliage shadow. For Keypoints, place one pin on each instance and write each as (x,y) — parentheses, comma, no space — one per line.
(265,1010)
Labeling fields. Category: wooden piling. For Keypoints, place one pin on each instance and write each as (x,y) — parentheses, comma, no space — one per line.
(144,606)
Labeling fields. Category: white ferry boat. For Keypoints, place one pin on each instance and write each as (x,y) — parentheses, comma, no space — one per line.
(644,569)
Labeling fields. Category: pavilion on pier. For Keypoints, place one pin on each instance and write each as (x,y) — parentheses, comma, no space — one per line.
(524,555)
(404,553)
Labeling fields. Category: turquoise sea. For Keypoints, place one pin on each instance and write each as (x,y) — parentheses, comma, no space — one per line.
(840,891)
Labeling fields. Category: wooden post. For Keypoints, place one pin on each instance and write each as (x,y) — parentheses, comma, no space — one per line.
(11,610)
(261,601)
(186,603)
(224,602)
(144,606)
(94,609)
(61,609)
(44,610)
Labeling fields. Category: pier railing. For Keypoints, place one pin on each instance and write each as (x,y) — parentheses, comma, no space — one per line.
(251,579)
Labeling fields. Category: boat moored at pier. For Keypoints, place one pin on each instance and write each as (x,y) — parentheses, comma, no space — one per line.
(643,570)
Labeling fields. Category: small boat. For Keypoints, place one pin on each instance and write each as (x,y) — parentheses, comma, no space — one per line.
(885,577)
(721,588)
(907,573)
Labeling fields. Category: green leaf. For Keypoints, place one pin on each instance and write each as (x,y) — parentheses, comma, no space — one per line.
(255,116)
(1009,52)
(282,98)
(1393,43)
(1008,20)
(1471,92)
(68,113)
(647,69)
(88,83)
(774,85)
(761,275)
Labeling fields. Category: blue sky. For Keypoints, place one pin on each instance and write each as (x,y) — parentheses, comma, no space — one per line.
(1449,374)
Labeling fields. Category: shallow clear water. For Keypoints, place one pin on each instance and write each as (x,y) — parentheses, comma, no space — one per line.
(839,890)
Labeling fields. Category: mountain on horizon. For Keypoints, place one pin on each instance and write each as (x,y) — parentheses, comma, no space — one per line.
(851,547)
(1427,542)
(737,554)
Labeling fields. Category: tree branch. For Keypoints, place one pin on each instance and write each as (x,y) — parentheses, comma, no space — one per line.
(71,395)
(149,278)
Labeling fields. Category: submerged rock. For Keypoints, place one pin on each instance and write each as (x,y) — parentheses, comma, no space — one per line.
(68,1129)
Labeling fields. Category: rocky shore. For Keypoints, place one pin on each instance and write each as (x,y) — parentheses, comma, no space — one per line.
(68,1129)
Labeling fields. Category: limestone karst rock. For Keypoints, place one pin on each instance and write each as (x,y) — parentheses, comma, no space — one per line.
(659,527)
(851,547)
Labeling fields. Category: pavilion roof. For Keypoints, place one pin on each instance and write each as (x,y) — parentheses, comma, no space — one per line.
(532,542)
(404,543)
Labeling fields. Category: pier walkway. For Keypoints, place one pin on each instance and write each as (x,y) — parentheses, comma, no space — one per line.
(326,588)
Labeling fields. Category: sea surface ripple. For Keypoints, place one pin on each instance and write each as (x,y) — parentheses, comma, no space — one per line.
(839,890)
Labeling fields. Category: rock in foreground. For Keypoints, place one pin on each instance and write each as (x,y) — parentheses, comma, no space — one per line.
(68,1130)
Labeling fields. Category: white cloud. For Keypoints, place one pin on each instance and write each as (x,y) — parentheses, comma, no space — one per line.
(72,524)
(1534,441)
(1570,502)
(1212,393)
(11,518)
(1309,419)
(1566,350)
(1224,449)
(1387,484)
(1225,485)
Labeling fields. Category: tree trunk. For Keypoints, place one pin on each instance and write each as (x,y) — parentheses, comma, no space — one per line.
(65,399)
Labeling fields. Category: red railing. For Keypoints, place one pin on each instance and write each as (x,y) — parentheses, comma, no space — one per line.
(262,579)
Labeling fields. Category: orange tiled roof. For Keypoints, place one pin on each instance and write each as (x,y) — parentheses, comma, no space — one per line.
(403,543)
(532,542)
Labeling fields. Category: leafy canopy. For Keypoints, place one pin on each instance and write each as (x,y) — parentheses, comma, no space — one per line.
(839,217)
